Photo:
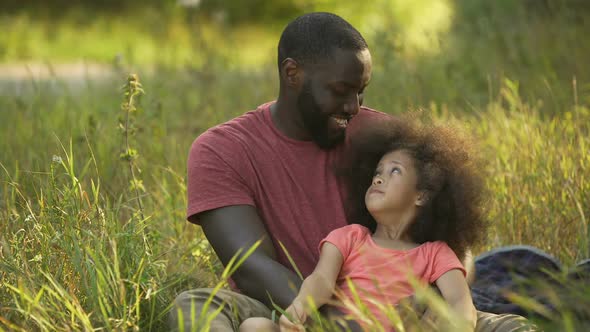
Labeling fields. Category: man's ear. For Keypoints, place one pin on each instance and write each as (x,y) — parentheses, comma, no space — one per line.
(423,198)
(292,73)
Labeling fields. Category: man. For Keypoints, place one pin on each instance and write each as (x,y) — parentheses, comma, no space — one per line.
(268,174)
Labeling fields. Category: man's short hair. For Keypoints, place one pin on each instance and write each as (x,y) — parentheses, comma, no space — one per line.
(312,37)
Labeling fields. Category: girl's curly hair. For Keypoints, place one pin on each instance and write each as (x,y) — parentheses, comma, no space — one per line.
(445,168)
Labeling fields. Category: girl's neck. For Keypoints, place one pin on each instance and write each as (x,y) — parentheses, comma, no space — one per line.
(393,239)
(391,233)
(393,228)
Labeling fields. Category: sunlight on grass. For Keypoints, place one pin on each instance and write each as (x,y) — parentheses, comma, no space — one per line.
(423,23)
(171,40)
(72,241)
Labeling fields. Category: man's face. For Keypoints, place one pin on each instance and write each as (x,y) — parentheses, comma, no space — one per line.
(316,121)
(332,94)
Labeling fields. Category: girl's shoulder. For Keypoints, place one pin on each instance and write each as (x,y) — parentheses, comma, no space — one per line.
(347,238)
(435,245)
(437,249)
(352,230)
(356,228)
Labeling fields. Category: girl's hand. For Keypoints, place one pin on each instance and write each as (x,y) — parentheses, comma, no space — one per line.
(297,313)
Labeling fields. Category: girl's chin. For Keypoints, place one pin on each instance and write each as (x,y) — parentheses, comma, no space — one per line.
(372,207)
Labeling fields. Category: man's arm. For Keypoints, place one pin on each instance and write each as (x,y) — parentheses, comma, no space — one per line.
(233,227)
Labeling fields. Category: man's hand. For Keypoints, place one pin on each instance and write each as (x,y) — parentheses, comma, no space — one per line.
(297,313)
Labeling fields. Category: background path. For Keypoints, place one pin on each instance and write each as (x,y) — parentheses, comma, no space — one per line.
(19,78)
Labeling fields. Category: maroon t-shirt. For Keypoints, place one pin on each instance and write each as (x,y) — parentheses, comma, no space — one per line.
(247,161)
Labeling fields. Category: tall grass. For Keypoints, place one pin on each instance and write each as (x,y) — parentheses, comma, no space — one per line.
(75,255)
(537,167)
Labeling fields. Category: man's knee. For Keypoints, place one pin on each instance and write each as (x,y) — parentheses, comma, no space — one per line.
(259,324)
(188,306)
(225,309)
(177,313)
(488,322)
(192,301)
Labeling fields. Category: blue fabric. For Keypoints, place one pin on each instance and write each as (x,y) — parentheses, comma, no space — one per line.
(518,269)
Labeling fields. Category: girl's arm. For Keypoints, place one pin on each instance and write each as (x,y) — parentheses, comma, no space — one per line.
(455,291)
(469,267)
(318,286)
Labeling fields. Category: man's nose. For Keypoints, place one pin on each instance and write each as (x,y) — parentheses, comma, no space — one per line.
(352,107)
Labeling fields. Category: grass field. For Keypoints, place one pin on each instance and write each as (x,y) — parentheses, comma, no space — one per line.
(92,197)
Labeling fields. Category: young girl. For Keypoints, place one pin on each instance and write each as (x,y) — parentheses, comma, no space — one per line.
(416,198)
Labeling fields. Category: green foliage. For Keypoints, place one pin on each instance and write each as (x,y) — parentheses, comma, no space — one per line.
(539,45)
(75,256)
(72,241)
(68,250)
(536,167)
(453,52)
(132,91)
(56,8)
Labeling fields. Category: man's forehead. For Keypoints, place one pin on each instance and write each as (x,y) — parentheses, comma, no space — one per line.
(343,64)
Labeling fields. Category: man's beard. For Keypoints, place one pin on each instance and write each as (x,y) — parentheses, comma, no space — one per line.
(315,121)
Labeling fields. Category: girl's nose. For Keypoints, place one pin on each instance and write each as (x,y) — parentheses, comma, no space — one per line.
(377,180)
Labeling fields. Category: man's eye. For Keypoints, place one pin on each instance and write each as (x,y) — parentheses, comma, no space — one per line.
(340,93)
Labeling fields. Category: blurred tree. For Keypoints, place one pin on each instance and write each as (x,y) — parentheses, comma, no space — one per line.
(59,7)
(253,10)
(232,11)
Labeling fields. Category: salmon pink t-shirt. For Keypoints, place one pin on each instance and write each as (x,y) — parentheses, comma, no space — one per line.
(383,275)
(248,161)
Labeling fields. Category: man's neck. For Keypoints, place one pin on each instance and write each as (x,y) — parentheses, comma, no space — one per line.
(287,120)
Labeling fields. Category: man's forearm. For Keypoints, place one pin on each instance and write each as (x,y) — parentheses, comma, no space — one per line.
(264,279)
(231,229)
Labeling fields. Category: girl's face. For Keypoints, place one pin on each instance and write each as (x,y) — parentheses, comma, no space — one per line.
(393,190)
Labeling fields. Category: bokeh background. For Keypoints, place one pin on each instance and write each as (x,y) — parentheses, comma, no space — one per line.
(92,169)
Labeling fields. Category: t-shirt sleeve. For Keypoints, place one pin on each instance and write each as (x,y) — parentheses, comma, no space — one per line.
(443,259)
(216,174)
(344,238)
(367,118)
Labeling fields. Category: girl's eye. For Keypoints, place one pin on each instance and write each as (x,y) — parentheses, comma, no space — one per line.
(396,170)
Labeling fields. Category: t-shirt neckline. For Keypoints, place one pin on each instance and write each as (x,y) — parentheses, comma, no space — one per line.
(268,119)
(398,251)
